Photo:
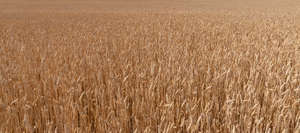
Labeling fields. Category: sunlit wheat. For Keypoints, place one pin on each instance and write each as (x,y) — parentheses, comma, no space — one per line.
(149,72)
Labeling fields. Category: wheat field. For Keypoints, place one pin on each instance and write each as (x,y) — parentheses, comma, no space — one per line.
(149,67)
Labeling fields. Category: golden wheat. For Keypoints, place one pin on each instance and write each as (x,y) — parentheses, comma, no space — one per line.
(149,72)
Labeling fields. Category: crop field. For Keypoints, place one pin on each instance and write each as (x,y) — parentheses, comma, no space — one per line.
(144,67)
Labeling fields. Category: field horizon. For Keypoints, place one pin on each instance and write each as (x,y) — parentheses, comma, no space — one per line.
(145,5)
